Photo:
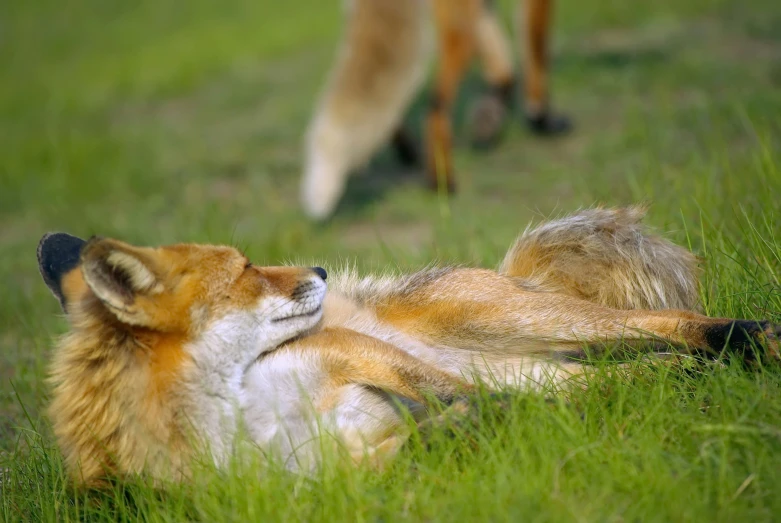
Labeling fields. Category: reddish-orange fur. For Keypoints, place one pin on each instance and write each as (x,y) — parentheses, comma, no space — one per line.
(456,23)
(538,23)
(116,404)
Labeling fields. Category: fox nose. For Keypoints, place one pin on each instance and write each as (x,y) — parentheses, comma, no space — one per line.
(320,272)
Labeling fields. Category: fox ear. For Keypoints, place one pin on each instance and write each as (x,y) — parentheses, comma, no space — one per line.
(58,254)
(117,274)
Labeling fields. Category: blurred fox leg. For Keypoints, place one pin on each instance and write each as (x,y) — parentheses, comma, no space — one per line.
(536,24)
(455,22)
(494,50)
(488,115)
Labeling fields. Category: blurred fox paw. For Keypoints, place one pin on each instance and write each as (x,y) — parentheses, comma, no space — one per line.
(548,124)
(487,121)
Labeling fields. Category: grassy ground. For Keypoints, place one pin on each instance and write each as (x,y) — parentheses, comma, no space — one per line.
(182,121)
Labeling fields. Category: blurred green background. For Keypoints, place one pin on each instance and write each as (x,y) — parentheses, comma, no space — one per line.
(166,121)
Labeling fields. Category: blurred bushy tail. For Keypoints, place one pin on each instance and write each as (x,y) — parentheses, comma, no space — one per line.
(380,66)
(608,257)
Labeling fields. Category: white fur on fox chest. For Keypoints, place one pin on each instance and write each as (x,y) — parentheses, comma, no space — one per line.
(289,402)
(215,384)
(221,356)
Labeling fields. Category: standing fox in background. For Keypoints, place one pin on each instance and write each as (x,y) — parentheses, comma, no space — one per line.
(172,349)
(382,65)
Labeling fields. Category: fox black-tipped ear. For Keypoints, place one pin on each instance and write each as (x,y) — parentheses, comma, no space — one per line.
(58,254)
(117,273)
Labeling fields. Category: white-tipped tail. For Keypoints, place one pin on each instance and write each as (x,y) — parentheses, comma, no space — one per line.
(324,180)
(380,66)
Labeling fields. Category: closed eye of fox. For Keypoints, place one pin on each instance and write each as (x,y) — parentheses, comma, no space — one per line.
(170,349)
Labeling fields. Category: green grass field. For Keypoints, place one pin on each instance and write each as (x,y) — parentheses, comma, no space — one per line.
(182,121)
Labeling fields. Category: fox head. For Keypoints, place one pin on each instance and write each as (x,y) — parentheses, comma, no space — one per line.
(159,342)
(202,293)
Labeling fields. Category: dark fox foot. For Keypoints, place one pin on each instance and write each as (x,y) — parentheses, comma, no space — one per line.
(407,149)
(548,124)
(750,340)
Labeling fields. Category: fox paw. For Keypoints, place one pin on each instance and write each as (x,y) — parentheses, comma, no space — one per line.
(747,338)
(548,124)
(407,149)
(770,337)
(487,121)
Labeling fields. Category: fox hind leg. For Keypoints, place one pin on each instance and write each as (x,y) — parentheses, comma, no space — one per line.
(489,113)
(536,19)
(455,24)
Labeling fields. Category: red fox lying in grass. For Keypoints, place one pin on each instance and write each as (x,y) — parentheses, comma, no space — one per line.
(171,349)
(382,65)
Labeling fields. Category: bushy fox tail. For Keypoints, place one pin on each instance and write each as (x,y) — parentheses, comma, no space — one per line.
(608,257)
(381,64)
